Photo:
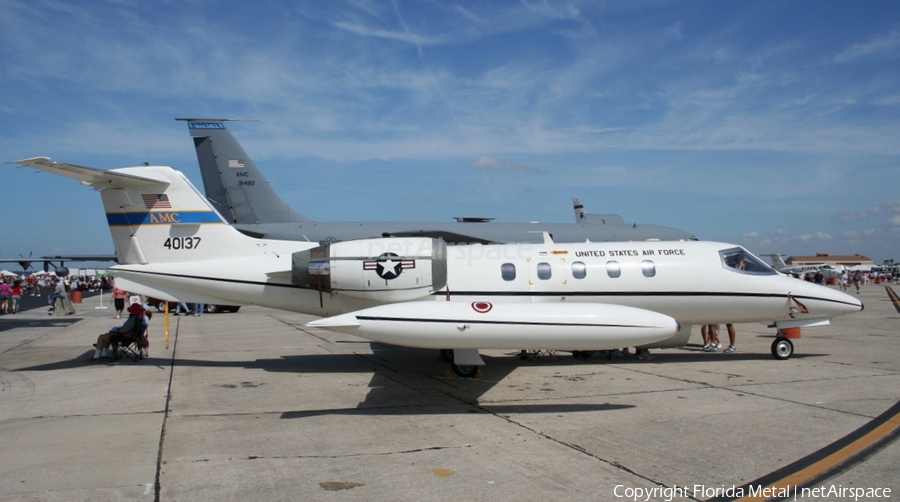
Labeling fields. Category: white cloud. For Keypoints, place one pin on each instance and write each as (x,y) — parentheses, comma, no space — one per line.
(893,100)
(887,209)
(491,164)
(671,33)
(885,46)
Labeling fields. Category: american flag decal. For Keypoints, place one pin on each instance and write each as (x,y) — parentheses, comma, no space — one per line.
(156,201)
(235,163)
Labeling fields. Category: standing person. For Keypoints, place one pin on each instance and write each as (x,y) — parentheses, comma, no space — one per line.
(4,296)
(819,278)
(16,292)
(842,280)
(731,336)
(180,305)
(714,343)
(198,309)
(857,278)
(119,296)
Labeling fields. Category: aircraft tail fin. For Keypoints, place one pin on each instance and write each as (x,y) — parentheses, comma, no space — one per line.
(777,261)
(579,210)
(155,215)
(231,179)
(582,217)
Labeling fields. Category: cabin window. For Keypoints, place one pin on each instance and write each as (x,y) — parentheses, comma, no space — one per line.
(648,268)
(740,260)
(613,269)
(579,270)
(543,271)
(508,272)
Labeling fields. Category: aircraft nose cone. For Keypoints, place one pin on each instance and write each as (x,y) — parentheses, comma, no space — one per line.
(831,302)
(852,303)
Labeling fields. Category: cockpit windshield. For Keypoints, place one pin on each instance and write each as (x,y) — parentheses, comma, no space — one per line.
(741,260)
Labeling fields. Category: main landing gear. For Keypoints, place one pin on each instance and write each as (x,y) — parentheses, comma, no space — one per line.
(464,371)
(463,363)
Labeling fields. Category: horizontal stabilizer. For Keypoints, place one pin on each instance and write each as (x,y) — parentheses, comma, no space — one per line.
(96,178)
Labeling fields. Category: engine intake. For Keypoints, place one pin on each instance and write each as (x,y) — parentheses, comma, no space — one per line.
(384,270)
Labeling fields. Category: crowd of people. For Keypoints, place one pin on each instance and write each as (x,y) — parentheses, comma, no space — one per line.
(859,278)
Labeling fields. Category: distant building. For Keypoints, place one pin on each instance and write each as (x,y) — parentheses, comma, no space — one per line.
(827,259)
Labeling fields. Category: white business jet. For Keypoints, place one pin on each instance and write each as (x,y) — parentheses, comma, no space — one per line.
(419,292)
(828,271)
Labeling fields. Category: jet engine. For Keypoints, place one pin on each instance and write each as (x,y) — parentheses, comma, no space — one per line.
(383,270)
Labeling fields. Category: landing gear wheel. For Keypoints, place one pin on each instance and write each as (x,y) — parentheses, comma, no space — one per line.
(782,348)
(464,371)
(582,354)
(447,355)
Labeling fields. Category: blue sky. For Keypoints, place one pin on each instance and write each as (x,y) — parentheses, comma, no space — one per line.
(775,125)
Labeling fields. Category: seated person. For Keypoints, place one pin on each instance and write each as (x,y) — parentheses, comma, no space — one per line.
(137,322)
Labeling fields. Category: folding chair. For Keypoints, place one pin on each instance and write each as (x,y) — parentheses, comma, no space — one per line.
(131,345)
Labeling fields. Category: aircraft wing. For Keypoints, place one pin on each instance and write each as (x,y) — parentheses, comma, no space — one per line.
(440,234)
(90,176)
(78,257)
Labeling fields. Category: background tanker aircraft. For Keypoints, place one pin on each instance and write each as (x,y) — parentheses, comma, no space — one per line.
(60,269)
(242,195)
(419,292)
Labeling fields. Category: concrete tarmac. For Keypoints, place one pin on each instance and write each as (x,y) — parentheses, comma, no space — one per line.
(253,405)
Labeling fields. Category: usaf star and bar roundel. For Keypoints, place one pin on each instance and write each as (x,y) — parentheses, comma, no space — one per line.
(389,265)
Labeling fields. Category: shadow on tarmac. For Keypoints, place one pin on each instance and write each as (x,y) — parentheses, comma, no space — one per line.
(418,360)
(414,409)
(12,322)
